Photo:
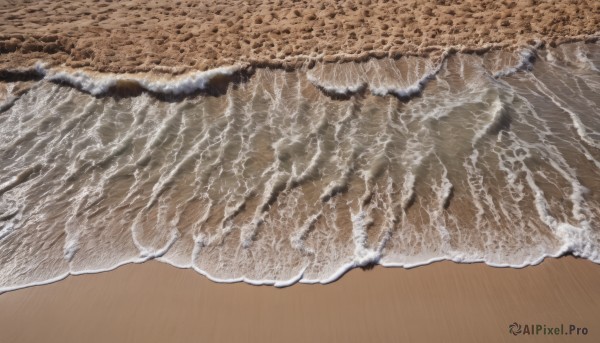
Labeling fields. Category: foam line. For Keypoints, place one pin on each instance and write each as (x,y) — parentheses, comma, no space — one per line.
(401,92)
(416,87)
(331,89)
(526,58)
(299,278)
(98,84)
(354,135)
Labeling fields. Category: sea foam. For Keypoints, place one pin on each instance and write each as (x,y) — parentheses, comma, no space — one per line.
(273,184)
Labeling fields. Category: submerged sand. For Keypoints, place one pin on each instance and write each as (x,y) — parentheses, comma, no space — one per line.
(154,302)
(175,37)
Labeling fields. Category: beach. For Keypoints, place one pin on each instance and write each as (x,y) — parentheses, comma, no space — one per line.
(165,37)
(445,301)
(342,171)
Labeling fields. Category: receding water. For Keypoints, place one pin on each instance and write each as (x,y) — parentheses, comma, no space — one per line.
(298,176)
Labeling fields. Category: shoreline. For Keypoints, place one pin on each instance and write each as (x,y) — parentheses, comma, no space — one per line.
(522,64)
(340,274)
(38,69)
(299,171)
(216,80)
(133,37)
(462,302)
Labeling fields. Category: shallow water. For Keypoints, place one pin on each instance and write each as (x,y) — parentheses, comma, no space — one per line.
(299,176)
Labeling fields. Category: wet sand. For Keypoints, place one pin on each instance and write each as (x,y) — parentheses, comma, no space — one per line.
(154,302)
(187,35)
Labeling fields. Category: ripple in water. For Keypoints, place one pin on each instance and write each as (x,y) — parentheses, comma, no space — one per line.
(299,176)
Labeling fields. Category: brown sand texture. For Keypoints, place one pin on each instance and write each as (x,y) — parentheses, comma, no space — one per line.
(179,36)
(443,302)
(154,302)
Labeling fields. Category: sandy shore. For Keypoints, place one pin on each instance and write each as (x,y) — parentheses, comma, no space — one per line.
(175,37)
(154,302)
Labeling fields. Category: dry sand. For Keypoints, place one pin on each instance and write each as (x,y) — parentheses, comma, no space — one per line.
(154,302)
(179,36)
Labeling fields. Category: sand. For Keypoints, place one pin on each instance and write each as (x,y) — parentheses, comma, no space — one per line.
(154,302)
(179,36)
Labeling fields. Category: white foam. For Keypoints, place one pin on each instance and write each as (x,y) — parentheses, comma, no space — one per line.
(358,85)
(409,91)
(524,62)
(583,58)
(577,123)
(100,83)
(297,238)
(576,238)
(337,89)
(363,256)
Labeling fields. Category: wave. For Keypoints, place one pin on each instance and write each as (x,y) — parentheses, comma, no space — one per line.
(276,183)
(526,57)
(98,84)
(574,245)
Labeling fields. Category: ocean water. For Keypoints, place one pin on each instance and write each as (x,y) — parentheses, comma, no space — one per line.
(298,176)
